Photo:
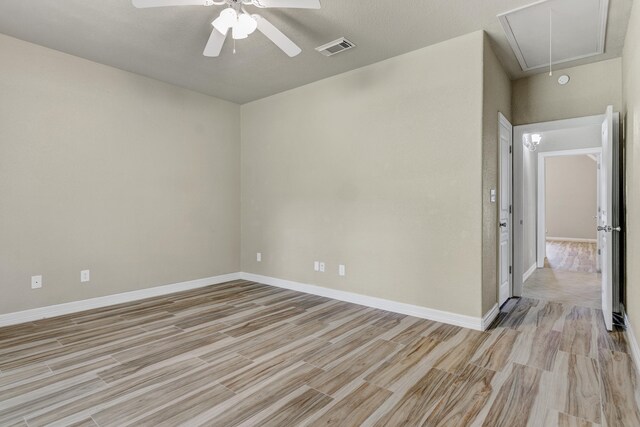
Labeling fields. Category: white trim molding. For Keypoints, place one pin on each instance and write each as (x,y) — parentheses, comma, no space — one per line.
(464,321)
(488,318)
(504,121)
(40,313)
(529,272)
(99,302)
(633,343)
(571,239)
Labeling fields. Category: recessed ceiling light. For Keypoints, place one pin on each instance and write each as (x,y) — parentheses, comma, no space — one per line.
(563,79)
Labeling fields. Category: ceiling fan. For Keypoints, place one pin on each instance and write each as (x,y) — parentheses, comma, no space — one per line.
(236,18)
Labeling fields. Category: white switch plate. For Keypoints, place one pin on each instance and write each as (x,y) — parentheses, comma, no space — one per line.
(36,282)
(493,195)
(342,270)
(85,276)
(322,267)
(259,257)
(316,265)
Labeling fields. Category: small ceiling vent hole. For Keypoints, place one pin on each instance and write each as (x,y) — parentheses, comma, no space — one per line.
(335,46)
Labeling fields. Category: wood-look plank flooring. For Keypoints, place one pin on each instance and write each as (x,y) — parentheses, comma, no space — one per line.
(571,256)
(569,276)
(243,353)
(567,287)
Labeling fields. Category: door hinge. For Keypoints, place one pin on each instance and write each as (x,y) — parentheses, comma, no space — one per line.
(509,208)
(599,252)
(510,269)
(509,149)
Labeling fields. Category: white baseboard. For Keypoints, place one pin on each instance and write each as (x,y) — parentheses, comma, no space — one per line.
(491,315)
(88,304)
(529,272)
(571,239)
(464,321)
(633,343)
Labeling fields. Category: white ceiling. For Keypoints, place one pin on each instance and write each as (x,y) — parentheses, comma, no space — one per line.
(167,43)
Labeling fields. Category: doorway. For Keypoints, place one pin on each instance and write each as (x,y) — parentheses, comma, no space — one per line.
(560,267)
(567,238)
(567,202)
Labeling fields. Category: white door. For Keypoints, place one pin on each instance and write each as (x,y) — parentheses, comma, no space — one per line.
(504,210)
(597,218)
(606,209)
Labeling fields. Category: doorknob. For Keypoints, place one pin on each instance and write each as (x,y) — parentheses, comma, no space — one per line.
(608,228)
(503,224)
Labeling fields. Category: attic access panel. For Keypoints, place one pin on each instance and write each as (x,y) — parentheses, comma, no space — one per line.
(578,31)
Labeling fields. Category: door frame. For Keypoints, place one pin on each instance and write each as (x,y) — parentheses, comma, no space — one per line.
(519,269)
(504,122)
(541,237)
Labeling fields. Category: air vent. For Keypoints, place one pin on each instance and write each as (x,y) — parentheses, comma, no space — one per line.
(335,46)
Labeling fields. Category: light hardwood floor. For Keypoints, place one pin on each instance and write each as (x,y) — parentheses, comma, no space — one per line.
(566,287)
(247,354)
(571,256)
(569,276)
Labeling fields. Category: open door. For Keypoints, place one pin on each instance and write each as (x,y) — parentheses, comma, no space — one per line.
(606,215)
(504,210)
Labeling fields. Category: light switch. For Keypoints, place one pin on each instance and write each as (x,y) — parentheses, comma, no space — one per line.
(492,198)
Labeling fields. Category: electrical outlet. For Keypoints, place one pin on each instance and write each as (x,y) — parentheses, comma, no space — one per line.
(322,267)
(342,270)
(316,265)
(259,257)
(85,276)
(36,282)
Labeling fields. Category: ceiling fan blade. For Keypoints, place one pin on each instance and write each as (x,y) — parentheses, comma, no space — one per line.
(277,37)
(215,43)
(141,4)
(296,4)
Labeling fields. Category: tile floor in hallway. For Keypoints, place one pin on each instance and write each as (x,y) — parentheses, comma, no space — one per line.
(567,287)
(571,256)
(569,276)
(247,354)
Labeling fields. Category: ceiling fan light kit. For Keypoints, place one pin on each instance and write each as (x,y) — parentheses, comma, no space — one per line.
(239,21)
(241,25)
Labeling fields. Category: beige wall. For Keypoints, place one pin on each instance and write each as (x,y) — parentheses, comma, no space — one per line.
(539,98)
(105,170)
(379,169)
(571,193)
(631,90)
(496,98)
